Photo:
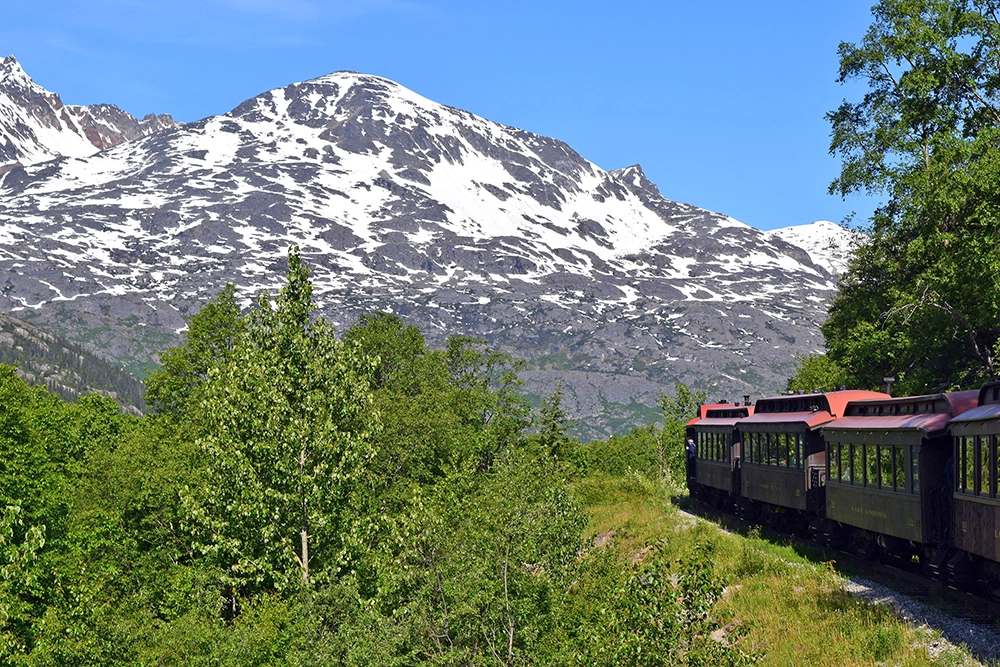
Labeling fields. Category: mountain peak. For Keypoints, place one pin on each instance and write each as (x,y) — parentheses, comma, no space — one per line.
(635,178)
(12,72)
(35,125)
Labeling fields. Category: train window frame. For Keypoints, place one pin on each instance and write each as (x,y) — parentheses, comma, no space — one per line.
(968,464)
(914,475)
(871,465)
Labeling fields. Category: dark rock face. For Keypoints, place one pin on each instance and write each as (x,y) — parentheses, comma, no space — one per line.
(397,203)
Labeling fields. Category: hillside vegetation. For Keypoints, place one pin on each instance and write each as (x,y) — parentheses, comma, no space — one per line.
(302,499)
(64,367)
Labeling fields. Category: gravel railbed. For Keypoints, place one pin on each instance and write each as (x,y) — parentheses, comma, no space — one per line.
(982,641)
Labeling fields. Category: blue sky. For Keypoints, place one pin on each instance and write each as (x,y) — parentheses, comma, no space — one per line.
(721,102)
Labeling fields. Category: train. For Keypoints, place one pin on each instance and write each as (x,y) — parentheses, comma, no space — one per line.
(911,481)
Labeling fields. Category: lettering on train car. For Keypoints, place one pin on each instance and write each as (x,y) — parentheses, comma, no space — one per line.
(866,511)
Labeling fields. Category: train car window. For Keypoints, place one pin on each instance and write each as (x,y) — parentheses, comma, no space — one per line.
(898,469)
(969,465)
(756,447)
(858,454)
(915,468)
(983,445)
(773,457)
(993,466)
(871,465)
(782,441)
(885,466)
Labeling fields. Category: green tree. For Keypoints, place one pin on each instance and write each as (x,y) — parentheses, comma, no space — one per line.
(491,398)
(287,431)
(553,424)
(209,340)
(816,372)
(921,296)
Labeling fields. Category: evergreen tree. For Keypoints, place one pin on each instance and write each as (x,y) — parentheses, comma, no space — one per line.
(553,426)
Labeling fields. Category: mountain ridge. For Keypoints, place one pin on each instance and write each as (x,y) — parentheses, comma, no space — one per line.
(36,126)
(458,224)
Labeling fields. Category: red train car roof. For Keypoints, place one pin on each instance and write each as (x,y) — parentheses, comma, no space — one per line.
(714,412)
(929,413)
(988,405)
(811,409)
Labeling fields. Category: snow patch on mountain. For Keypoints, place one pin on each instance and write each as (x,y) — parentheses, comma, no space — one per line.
(828,244)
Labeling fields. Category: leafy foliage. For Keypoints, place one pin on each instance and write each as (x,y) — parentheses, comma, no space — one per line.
(816,372)
(298,499)
(920,298)
(208,342)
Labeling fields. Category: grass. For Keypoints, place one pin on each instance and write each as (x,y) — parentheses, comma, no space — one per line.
(777,602)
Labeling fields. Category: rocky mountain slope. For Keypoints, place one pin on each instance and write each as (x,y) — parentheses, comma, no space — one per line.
(459,224)
(36,126)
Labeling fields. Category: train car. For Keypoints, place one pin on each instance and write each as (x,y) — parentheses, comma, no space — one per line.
(887,486)
(714,475)
(783,462)
(976,495)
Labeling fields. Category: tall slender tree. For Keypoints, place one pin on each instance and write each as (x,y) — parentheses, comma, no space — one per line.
(287,429)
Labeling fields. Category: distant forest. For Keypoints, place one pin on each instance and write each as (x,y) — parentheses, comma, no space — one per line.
(64,367)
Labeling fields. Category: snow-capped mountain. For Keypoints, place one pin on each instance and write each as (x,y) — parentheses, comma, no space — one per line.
(36,126)
(829,245)
(459,224)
